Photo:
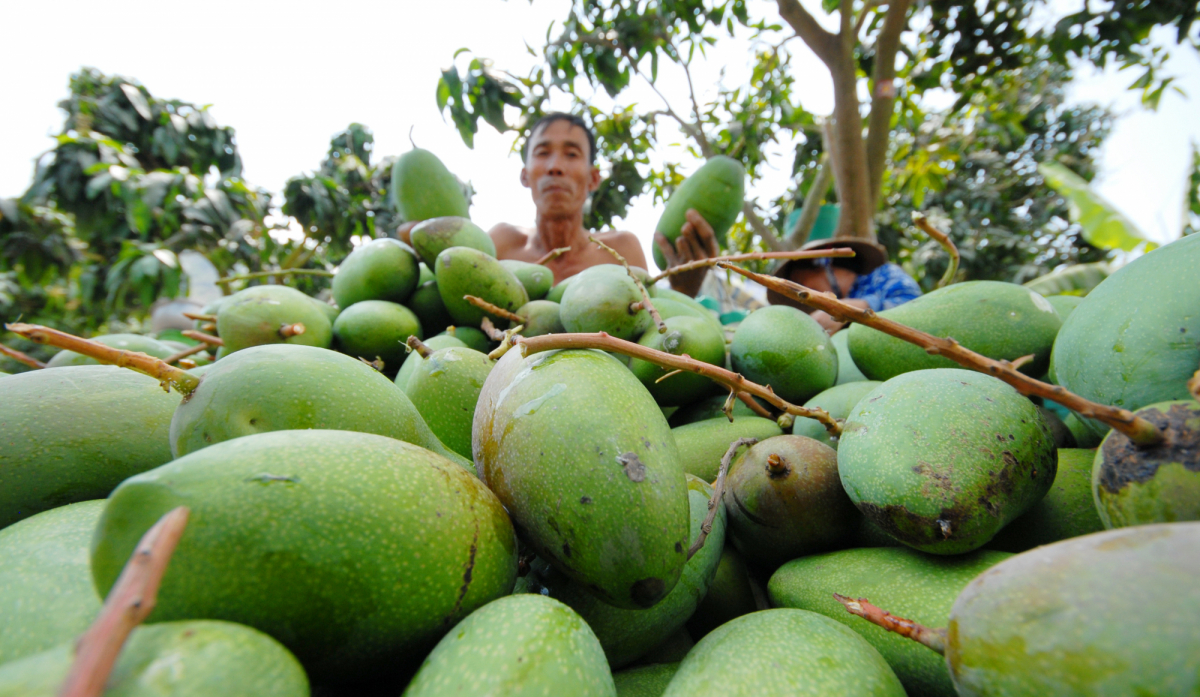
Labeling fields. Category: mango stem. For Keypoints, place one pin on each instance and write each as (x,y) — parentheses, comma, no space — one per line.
(289,330)
(494,309)
(926,636)
(649,306)
(191,351)
(1137,429)
(947,244)
(753,256)
(415,344)
(199,317)
(183,382)
(718,492)
(129,602)
(552,255)
(490,329)
(21,358)
(203,338)
(754,405)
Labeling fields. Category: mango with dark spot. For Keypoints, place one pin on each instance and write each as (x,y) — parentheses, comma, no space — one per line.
(432,236)
(1066,511)
(258,315)
(555,427)
(1003,321)
(1157,484)
(444,388)
(464,271)
(1112,613)
(357,551)
(942,459)
(604,299)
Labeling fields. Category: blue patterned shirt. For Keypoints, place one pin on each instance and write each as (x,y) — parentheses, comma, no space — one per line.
(885,288)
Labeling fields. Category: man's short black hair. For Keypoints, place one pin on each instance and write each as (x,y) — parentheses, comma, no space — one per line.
(560,116)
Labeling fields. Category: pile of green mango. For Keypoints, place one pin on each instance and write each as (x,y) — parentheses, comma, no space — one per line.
(381,503)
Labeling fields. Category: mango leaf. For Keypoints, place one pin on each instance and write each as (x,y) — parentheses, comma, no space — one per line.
(1103,225)
(1079,279)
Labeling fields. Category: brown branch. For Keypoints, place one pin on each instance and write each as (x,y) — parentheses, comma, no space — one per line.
(649,306)
(176,357)
(754,256)
(1139,430)
(200,317)
(129,602)
(947,244)
(812,203)
(183,382)
(490,329)
(203,338)
(866,10)
(415,344)
(20,357)
(224,282)
(728,378)
(822,42)
(762,229)
(932,638)
(883,96)
(754,405)
(718,492)
(493,309)
(287,331)
(552,255)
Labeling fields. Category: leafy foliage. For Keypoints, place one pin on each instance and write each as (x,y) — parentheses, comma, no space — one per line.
(1191,208)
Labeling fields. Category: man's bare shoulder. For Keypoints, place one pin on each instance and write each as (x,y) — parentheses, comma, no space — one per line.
(626,243)
(510,240)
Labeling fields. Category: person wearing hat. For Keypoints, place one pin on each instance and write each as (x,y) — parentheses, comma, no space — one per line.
(866,280)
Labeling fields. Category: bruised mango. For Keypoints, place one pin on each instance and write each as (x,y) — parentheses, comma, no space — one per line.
(432,236)
(1066,511)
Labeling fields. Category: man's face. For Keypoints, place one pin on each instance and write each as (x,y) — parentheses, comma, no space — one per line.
(557,170)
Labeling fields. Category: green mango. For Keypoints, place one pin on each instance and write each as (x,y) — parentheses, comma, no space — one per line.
(942,459)
(785,500)
(702,444)
(645,681)
(372,548)
(426,303)
(445,388)
(715,191)
(673,296)
(1064,305)
(125,342)
(422,188)
(376,329)
(1059,431)
(72,434)
(626,635)
(709,408)
(173,659)
(604,299)
(331,311)
(382,269)
(581,456)
(414,359)
(46,593)
(1083,432)
(1003,321)
(905,582)
(254,316)
(847,370)
(1135,485)
(4,374)
(522,645)
(541,317)
(783,652)
(433,235)
(470,336)
(782,347)
(1066,511)
(1112,613)
(536,278)
(465,271)
(1135,339)
(281,388)
(426,275)
(558,289)
(838,400)
(729,595)
(673,649)
(692,336)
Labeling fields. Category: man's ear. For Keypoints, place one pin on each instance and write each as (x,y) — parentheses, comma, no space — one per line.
(595,179)
(525,178)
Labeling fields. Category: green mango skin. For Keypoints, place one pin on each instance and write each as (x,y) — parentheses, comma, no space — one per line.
(252,317)
(73,434)
(672,295)
(942,459)
(536,278)
(445,388)
(1063,438)
(280,388)
(331,311)
(645,681)
(382,269)
(376,329)
(1112,613)
(125,342)
(838,400)
(702,444)
(426,303)
(4,374)
(541,317)
(1082,431)
(715,191)
(430,237)
(907,583)
(1135,339)
(673,649)
(414,359)
(783,652)
(627,635)
(470,336)
(46,593)
(799,508)
(464,271)
(600,300)
(847,370)
(1000,320)
(583,459)
(1064,305)
(422,188)
(1159,484)
(782,347)
(709,408)
(729,595)
(558,289)
(1066,511)
(173,659)
(372,549)
(426,275)
(692,336)
(522,645)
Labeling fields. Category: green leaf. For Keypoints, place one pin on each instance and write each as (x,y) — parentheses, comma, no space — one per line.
(1079,279)
(1103,225)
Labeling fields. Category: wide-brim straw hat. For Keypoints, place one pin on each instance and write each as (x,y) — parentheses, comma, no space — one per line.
(868,256)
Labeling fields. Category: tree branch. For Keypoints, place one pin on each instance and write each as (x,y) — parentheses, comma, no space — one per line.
(932,638)
(646,304)
(754,256)
(191,351)
(21,358)
(718,492)
(883,96)
(947,244)
(812,204)
(822,42)
(493,309)
(552,255)
(761,228)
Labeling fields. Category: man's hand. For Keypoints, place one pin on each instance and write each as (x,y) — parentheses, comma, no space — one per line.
(696,241)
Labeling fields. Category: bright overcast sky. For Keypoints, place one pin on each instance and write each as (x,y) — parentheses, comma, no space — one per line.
(288,76)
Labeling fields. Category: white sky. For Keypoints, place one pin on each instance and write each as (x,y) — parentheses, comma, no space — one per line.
(288,76)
